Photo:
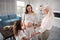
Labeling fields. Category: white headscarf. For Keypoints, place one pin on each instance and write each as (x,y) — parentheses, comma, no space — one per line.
(47,21)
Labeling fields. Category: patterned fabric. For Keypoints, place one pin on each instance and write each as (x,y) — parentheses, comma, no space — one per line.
(28,18)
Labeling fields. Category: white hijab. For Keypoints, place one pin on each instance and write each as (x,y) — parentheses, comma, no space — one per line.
(47,21)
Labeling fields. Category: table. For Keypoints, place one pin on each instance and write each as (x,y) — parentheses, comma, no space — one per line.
(7,34)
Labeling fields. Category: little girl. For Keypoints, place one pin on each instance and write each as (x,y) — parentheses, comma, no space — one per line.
(18,32)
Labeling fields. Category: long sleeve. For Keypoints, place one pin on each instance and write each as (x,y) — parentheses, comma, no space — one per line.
(44,26)
(47,22)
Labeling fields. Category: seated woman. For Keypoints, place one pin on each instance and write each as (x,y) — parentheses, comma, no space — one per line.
(18,31)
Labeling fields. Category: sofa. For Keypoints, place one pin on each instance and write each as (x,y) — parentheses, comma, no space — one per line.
(8,19)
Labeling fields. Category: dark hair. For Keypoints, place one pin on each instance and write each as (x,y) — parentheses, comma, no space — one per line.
(26,11)
(17,26)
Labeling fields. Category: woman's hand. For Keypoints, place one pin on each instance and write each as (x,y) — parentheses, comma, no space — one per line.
(37,25)
(30,24)
(33,34)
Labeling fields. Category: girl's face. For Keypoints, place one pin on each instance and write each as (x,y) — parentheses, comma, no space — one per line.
(46,10)
(29,8)
(22,26)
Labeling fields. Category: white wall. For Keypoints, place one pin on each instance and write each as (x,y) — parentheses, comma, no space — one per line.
(26,1)
(7,7)
(55,4)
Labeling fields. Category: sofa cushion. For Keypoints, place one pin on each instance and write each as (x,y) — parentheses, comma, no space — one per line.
(11,20)
(4,17)
(12,16)
(0,24)
(5,23)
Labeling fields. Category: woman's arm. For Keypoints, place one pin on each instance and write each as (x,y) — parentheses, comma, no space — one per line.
(36,25)
(39,24)
(24,38)
(33,34)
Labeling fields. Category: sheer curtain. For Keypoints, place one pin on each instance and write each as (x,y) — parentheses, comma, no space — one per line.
(7,7)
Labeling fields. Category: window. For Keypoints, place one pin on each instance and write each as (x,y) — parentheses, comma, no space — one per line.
(20,8)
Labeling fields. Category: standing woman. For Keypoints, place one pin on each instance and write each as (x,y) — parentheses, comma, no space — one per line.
(29,20)
(47,23)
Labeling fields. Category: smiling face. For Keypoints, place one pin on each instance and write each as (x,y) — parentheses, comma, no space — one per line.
(29,9)
(46,10)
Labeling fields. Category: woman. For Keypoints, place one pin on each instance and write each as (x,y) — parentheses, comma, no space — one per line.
(29,20)
(18,31)
(46,23)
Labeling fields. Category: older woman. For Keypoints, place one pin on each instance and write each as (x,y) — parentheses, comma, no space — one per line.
(46,23)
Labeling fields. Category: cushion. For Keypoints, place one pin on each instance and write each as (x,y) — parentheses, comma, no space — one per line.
(0,25)
(12,16)
(4,17)
(11,20)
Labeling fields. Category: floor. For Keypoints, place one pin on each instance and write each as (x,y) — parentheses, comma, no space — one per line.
(57,22)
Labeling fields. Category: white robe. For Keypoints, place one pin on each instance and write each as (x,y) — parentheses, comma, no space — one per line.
(47,22)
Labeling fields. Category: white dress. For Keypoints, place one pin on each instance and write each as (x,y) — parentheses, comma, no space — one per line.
(32,19)
(21,34)
(29,18)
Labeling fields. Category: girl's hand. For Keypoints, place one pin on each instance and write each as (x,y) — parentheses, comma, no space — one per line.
(38,25)
(30,24)
(37,33)
(24,38)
